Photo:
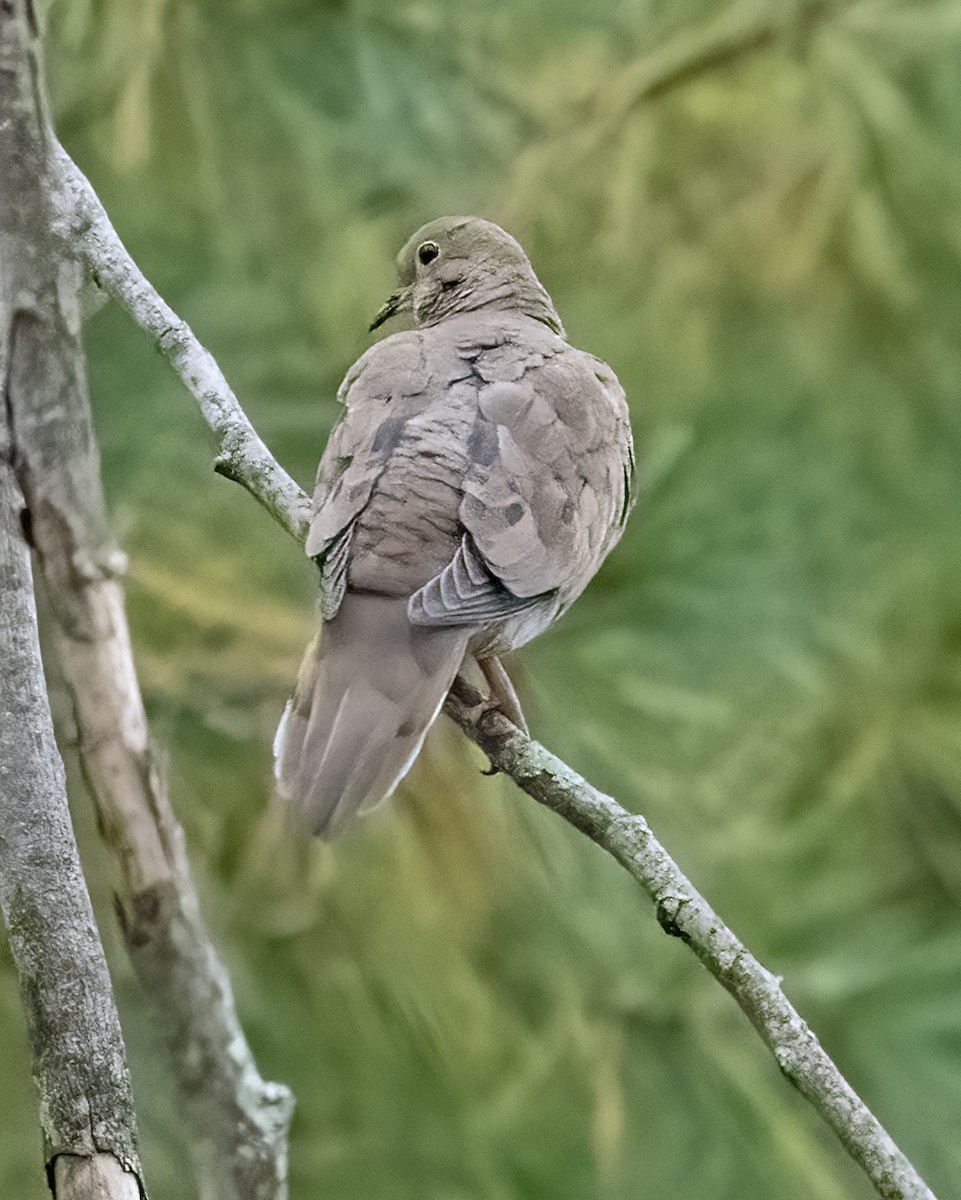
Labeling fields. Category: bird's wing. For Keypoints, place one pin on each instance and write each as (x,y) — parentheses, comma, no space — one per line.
(466,592)
(374,394)
(548,488)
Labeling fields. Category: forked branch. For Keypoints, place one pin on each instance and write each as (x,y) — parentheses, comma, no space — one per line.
(681,911)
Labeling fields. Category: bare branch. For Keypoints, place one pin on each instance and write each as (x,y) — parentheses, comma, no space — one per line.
(681,911)
(239,1120)
(242,457)
(242,1121)
(98,1178)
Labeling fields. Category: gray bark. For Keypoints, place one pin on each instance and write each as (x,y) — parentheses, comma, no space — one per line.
(86,1108)
(242,455)
(238,1122)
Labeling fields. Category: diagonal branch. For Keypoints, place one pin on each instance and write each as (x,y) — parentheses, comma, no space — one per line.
(681,911)
(243,457)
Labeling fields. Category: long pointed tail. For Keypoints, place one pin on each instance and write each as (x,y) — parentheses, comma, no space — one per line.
(369,688)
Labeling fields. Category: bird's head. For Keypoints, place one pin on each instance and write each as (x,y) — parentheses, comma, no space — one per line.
(461,264)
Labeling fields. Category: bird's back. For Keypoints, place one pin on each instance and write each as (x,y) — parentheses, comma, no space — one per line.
(479,475)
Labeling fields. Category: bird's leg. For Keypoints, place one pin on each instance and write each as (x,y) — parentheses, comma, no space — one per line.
(502,690)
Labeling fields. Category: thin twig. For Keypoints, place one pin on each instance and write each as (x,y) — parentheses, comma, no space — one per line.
(681,911)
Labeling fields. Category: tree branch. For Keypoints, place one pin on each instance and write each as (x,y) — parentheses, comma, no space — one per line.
(681,911)
(242,456)
(86,1107)
(242,1121)
(239,1121)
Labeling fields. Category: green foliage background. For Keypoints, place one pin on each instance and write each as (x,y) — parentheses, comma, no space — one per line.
(470,1001)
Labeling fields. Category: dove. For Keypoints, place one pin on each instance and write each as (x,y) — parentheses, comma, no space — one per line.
(480,473)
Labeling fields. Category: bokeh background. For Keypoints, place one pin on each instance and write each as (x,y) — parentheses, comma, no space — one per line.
(752,210)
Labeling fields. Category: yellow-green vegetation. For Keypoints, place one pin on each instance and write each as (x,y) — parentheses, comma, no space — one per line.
(470,1001)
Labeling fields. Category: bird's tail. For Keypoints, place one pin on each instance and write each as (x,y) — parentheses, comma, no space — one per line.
(369,688)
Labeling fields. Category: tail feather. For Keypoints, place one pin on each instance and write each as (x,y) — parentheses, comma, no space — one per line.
(368,690)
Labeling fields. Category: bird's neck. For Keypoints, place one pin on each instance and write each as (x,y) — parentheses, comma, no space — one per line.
(526,296)
(521,294)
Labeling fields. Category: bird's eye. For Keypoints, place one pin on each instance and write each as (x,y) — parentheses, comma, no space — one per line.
(427,252)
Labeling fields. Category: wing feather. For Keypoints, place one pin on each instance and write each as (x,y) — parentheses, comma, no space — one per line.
(379,396)
(548,500)
(465,593)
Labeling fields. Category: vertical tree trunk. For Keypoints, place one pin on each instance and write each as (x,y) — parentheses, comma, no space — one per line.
(238,1121)
(86,1107)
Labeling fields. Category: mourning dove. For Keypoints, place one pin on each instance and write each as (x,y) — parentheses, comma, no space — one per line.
(481,472)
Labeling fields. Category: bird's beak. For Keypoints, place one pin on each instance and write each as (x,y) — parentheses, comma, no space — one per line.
(399,302)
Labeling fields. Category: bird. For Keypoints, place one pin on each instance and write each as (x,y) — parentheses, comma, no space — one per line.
(481,471)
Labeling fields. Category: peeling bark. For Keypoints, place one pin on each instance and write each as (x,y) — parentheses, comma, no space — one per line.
(238,1122)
